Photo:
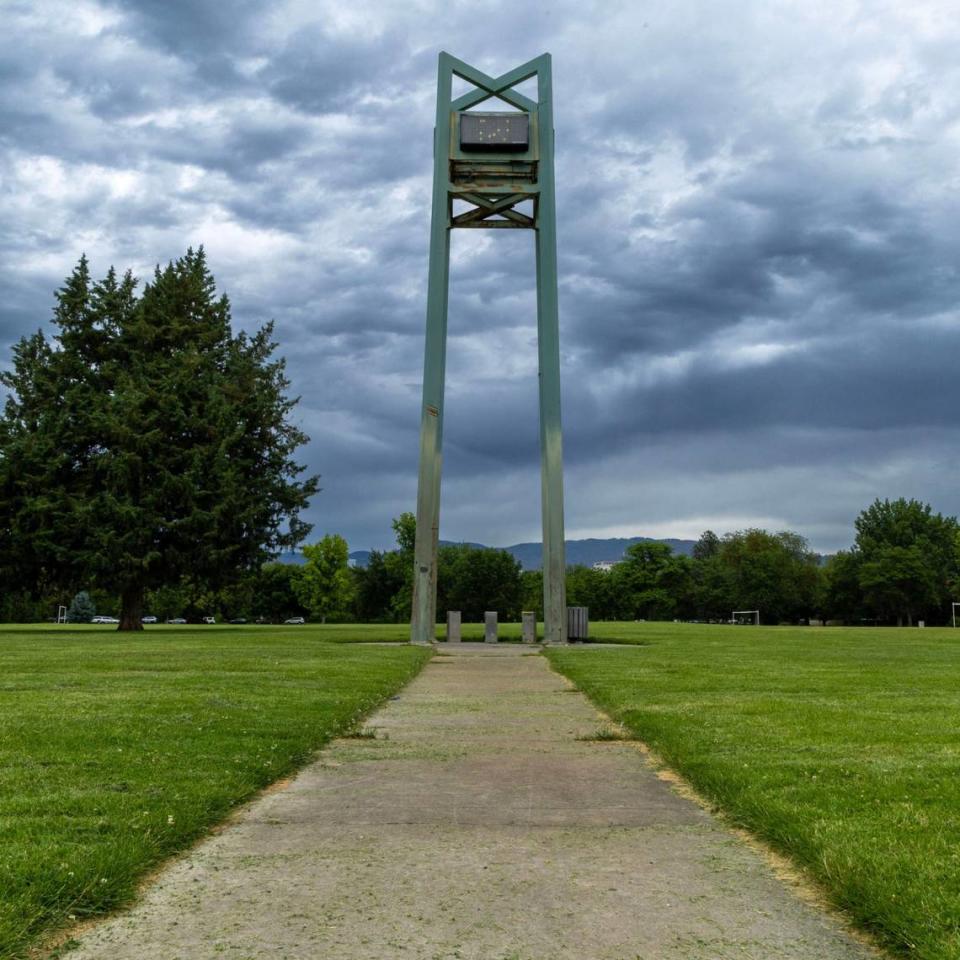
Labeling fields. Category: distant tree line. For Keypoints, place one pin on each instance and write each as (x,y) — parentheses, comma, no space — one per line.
(751,569)
(904,566)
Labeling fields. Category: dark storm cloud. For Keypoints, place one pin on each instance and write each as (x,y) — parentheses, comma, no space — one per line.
(757,221)
(319,73)
(854,386)
(206,36)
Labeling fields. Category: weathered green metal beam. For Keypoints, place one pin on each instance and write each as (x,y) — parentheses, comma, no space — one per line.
(488,207)
(490,87)
(434,375)
(548,343)
(496,225)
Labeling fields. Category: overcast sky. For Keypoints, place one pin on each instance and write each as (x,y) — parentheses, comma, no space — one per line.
(759,229)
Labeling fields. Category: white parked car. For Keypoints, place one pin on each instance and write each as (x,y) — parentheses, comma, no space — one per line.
(99,619)
(209,620)
(177,620)
(148,619)
(295,620)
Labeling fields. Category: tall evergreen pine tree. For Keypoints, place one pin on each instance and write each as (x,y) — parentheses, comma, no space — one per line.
(146,441)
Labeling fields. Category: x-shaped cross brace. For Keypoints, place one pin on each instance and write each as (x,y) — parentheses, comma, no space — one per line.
(488,87)
(486,206)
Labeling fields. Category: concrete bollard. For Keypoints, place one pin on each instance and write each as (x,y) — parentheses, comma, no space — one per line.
(529,619)
(453,626)
(490,626)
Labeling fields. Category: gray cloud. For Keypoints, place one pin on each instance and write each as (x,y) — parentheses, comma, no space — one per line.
(757,221)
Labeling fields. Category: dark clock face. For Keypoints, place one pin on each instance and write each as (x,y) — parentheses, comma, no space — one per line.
(494,131)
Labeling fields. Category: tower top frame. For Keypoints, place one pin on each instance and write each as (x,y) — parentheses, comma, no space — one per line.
(495,182)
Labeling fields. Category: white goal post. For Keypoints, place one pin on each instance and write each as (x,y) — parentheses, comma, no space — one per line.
(751,617)
(953,612)
(61,614)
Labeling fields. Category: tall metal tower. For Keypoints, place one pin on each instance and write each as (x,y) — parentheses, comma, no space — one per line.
(495,162)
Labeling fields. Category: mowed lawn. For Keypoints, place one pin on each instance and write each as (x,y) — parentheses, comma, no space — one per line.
(841,747)
(118,749)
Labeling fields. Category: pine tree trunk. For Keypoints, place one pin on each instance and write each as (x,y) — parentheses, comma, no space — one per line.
(131,604)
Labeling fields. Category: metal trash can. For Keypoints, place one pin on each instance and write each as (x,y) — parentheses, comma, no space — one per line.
(578,624)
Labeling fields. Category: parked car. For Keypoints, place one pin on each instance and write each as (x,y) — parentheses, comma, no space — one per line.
(209,620)
(177,620)
(148,619)
(238,620)
(99,619)
(295,620)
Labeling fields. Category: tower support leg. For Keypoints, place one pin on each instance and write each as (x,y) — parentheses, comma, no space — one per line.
(548,341)
(424,613)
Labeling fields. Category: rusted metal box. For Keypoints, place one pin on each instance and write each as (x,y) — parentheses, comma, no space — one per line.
(494,131)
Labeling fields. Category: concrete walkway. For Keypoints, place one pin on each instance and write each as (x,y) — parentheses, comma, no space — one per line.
(475,826)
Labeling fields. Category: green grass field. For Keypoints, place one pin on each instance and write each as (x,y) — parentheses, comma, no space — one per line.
(840,747)
(117,750)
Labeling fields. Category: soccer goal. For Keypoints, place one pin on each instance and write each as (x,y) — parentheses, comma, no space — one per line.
(953,612)
(751,617)
(61,614)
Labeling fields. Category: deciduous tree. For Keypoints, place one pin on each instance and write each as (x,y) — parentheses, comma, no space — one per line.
(773,572)
(707,546)
(652,582)
(475,580)
(323,584)
(907,558)
(841,594)
(594,589)
(273,596)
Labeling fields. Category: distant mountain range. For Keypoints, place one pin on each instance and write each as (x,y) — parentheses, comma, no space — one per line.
(589,552)
(530,555)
